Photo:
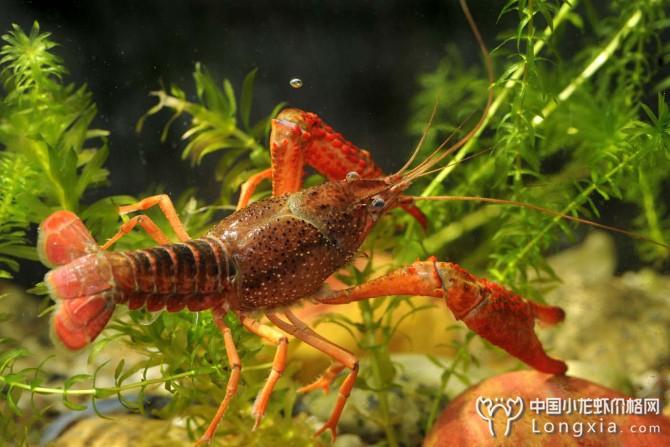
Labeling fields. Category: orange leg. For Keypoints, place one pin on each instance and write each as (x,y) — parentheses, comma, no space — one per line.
(303,332)
(325,380)
(166,206)
(250,185)
(233,379)
(333,370)
(495,313)
(145,222)
(275,337)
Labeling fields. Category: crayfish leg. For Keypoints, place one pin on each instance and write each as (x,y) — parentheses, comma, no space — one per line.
(271,335)
(167,208)
(324,381)
(233,379)
(145,222)
(302,332)
(250,186)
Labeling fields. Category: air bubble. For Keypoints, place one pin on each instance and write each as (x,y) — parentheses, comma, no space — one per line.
(296,82)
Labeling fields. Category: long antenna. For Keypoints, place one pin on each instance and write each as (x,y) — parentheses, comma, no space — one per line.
(416,150)
(433,157)
(542,210)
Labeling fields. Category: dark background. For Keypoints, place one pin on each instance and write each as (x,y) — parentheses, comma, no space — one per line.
(359,62)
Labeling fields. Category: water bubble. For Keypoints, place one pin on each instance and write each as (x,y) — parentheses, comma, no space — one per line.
(296,82)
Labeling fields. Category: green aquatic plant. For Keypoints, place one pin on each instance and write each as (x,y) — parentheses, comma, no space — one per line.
(568,130)
(46,163)
(44,133)
(214,128)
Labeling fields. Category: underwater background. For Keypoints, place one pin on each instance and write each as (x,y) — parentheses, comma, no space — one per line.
(358,61)
(372,70)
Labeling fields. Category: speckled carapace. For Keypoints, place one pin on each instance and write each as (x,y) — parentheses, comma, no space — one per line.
(285,247)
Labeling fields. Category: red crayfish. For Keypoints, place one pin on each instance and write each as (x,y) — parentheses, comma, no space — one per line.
(276,252)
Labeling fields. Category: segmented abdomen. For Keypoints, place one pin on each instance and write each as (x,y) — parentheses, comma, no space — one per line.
(194,274)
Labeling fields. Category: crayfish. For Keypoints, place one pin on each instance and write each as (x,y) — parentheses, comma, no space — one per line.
(276,252)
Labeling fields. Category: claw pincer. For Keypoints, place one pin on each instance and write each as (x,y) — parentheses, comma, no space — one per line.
(505,319)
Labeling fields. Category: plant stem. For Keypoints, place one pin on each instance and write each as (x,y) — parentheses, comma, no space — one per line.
(591,68)
(435,407)
(95,391)
(501,97)
(650,212)
(455,230)
(375,364)
(581,198)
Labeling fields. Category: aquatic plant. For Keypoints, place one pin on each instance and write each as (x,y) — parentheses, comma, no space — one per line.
(44,132)
(569,129)
(45,164)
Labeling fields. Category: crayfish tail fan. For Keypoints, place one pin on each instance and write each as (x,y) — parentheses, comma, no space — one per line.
(84,292)
(62,238)
(78,321)
(82,282)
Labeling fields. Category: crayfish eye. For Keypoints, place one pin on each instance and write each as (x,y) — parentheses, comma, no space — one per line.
(377,203)
(353,176)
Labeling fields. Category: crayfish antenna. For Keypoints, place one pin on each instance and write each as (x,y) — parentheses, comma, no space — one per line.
(424,134)
(438,154)
(543,210)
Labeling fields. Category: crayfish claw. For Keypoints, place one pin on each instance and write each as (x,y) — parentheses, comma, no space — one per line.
(507,320)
